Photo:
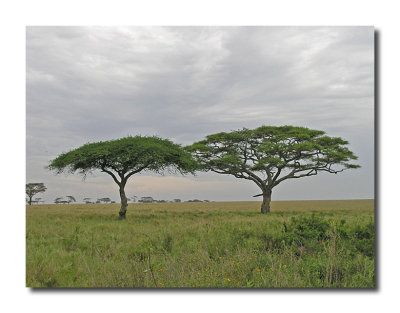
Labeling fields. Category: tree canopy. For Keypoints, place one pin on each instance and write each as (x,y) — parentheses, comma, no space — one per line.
(106,200)
(125,157)
(269,155)
(71,199)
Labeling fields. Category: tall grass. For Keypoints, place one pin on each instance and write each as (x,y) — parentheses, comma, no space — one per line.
(299,244)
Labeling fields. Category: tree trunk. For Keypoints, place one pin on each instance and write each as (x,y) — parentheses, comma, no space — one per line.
(265,206)
(124,202)
(30,200)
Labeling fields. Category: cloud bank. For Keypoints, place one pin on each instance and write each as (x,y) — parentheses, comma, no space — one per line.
(86,84)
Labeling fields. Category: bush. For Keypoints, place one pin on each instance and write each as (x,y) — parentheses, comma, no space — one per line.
(363,239)
(311,233)
(300,231)
(309,228)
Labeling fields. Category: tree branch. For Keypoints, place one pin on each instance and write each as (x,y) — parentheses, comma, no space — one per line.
(273,180)
(112,175)
(256,179)
(138,170)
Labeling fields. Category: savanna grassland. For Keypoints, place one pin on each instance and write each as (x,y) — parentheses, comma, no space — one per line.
(208,245)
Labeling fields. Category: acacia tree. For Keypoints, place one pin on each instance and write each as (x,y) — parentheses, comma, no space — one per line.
(269,155)
(58,200)
(38,200)
(87,200)
(71,199)
(32,189)
(123,158)
(106,200)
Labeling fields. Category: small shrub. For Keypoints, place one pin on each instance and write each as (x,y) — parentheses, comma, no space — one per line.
(309,228)
(363,239)
(306,232)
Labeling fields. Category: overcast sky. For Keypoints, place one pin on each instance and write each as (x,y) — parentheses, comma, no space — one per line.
(86,84)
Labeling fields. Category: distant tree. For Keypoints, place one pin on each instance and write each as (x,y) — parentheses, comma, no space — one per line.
(38,200)
(58,200)
(269,155)
(147,200)
(105,200)
(87,200)
(123,158)
(32,189)
(70,199)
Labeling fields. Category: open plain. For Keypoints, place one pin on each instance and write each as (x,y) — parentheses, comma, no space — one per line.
(300,244)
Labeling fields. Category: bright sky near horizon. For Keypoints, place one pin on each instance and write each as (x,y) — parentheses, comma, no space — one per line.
(86,84)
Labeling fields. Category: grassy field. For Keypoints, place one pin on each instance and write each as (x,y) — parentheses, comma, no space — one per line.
(208,245)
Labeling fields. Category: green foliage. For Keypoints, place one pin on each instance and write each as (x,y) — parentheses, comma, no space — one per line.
(312,233)
(269,155)
(305,233)
(128,155)
(306,228)
(34,188)
(363,237)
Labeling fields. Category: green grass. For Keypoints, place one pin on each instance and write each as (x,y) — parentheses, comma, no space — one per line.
(218,244)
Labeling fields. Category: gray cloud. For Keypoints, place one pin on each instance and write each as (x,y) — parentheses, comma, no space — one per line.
(87,84)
